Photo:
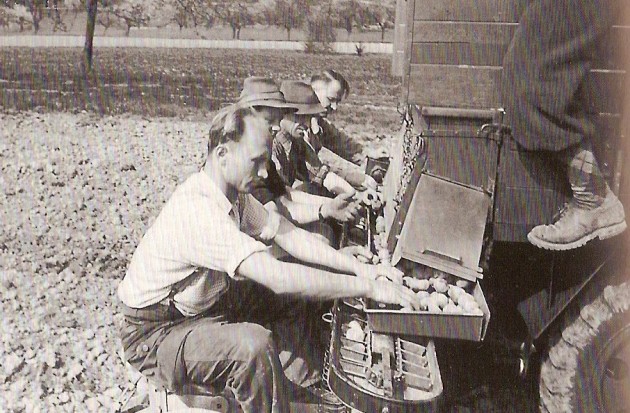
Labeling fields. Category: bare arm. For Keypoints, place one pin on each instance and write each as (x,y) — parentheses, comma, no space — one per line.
(307,248)
(299,212)
(305,197)
(349,171)
(342,208)
(306,282)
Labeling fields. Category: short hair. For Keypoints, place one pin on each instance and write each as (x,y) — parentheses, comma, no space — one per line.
(228,125)
(329,75)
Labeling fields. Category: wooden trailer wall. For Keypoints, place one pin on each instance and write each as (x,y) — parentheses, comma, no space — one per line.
(449,54)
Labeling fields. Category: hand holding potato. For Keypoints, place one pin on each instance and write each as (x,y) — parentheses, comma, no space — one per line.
(342,208)
(389,293)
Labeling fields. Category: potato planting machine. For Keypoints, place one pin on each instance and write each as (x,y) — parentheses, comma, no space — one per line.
(458,200)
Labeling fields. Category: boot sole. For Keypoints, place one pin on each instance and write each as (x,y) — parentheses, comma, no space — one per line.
(601,233)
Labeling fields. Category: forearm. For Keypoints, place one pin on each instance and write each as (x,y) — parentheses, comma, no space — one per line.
(308,248)
(305,282)
(301,213)
(306,198)
(345,169)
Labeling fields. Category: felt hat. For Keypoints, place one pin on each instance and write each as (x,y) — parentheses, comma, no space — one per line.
(260,91)
(302,96)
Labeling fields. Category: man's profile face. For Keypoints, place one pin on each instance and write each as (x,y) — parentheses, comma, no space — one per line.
(248,157)
(273,116)
(329,93)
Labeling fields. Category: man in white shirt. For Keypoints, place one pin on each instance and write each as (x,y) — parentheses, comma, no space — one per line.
(202,268)
(331,88)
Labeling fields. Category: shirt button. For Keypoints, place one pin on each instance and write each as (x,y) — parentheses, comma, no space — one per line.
(145,348)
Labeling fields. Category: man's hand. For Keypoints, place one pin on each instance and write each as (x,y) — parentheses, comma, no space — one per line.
(375,272)
(360,252)
(369,183)
(337,185)
(294,129)
(389,293)
(342,208)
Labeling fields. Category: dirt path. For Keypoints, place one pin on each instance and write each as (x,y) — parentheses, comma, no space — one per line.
(77,41)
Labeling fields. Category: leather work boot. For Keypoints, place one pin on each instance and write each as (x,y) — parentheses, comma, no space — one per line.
(577,225)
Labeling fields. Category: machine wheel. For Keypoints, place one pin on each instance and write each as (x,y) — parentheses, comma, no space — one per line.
(587,366)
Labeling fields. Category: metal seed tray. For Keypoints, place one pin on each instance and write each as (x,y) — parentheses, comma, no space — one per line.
(388,319)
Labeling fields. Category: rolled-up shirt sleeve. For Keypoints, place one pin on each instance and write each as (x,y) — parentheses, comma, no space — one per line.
(257,221)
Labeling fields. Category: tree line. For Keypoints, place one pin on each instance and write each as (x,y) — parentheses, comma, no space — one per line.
(318,17)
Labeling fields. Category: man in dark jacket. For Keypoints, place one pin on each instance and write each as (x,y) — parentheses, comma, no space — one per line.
(544,72)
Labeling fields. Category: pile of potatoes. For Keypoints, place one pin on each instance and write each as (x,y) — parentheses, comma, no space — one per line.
(441,293)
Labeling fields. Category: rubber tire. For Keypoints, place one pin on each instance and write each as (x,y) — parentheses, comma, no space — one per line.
(569,365)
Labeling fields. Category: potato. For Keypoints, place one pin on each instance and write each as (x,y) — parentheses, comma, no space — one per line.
(375,259)
(354,324)
(469,306)
(356,335)
(433,307)
(422,294)
(358,347)
(464,297)
(454,292)
(465,284)
(355,332)
(424,303)
(415,284)
(476,311)
(451,308)
(440,285)
(439,298)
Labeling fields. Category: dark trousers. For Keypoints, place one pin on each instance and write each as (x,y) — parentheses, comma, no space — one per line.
(546,69)
(247,344)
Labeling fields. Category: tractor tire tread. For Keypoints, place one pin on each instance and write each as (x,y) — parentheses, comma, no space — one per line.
(579,329)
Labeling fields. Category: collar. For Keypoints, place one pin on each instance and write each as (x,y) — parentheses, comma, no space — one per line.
(285,139)
(212,191)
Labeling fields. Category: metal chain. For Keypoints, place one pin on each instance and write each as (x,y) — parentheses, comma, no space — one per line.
(413,146)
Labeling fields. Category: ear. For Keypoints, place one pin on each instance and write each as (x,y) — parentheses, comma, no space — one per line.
(221,152)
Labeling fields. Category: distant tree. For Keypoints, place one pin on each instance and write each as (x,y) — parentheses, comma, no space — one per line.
(165,12)
(346,15)
(383,15)
(36,11)
(133,13)
(106,18)
(75,6)
(182,11)
(29,14)
(288,14)
(55,14)
(320,27)
(237,14)
(5,16)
